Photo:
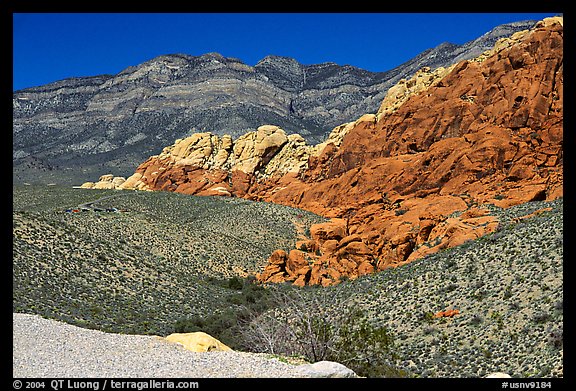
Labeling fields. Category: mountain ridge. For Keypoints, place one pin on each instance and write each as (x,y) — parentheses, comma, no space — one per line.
(115,122)
(487,130)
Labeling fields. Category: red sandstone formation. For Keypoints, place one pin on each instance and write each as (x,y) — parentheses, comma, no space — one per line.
(489,132)
(413,180)
(446,314)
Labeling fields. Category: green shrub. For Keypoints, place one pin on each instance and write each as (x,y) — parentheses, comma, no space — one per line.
(427,317)
(508,292)
(476,319)
(217,325)
(365,348)
(318,324)
(541,317)
(249,300)
(235,283)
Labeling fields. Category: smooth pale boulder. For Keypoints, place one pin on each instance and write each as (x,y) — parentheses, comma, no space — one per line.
(198,342)
(106,181)
(326,369)
(106,178)
(255,149)
(107,185)
(117,181)
(87,185)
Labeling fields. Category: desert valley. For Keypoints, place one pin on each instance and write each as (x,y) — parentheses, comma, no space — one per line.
(403,224)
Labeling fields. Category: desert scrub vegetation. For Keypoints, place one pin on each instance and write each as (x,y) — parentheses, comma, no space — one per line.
(248,299)
(318,324)
(286,321)
(140,270)
(175,262)
(507,286)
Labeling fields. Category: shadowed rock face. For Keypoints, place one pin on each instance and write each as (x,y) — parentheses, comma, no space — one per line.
(411,180)
(72,130)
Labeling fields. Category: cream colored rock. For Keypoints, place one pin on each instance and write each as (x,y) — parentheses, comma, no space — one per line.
(106,178)
(268,151)
(107,185)
(107,181)
(326,369)
(291,158)
(87,185)
(254,150)
(223,150)
(337,134)
(118,181)
(198,342)
(200,150)
(134,182)
(193,150)
(226,142)
(248,153)
(404,89)
(550,21)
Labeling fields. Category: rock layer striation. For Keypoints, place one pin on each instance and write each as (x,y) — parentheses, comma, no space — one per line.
(114,122)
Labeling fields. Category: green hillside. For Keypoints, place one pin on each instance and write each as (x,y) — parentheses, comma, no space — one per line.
(160,262)
(159,258)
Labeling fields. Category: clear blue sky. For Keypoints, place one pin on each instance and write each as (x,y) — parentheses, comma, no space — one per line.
(54,46)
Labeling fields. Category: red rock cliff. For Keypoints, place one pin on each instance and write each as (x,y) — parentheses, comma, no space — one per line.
(489,131)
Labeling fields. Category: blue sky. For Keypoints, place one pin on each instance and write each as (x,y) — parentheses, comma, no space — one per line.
(54,46)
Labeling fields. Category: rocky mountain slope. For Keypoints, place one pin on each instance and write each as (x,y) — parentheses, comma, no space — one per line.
(73,129)
(408,181)
(494,304)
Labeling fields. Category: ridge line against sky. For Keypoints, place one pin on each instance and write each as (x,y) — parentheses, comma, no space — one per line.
(48,47)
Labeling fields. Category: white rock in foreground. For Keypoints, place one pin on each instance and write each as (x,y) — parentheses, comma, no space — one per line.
(325,369)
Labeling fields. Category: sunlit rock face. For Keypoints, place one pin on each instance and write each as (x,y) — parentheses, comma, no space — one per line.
(73,130)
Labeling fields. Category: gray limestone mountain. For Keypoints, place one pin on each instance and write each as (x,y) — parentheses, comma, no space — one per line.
(72,130)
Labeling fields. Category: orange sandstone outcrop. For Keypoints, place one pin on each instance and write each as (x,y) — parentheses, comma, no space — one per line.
(446,314)
(412,182)
(407,181)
